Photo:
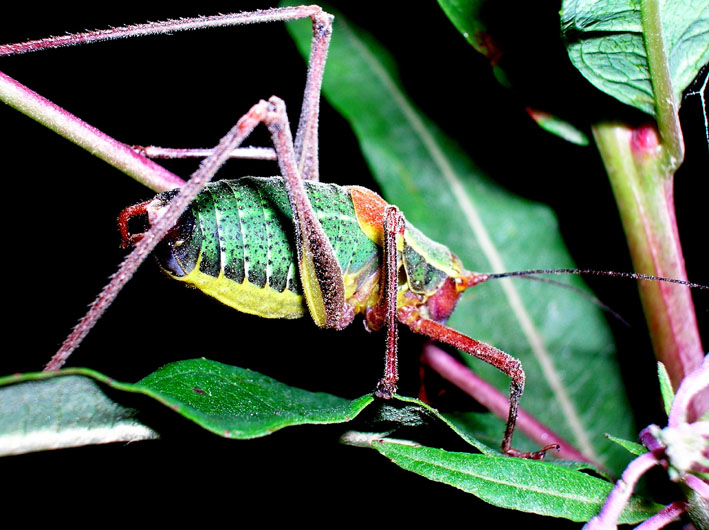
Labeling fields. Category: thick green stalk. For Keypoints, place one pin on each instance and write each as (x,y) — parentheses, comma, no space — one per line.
(641,162)
(644,193)
(666,106)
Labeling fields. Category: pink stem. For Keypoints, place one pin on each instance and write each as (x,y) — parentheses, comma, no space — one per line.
(618,498)
(643,186)
(118,154)
(698,485)
(664,517)
(694,384)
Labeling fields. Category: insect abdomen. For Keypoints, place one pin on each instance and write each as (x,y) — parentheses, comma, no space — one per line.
(235,243)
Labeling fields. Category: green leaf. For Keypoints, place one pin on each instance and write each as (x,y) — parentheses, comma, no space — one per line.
(470,18)
(562,340)
(467,18)
(514,483)
(559,127)
(668,394)
(632,447)
(486,428)
(606,42)
(39,413)
(419,409)
(239,403)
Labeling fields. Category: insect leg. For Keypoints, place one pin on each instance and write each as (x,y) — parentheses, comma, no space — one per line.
(393,229)
(320,273)
(491,355)
(306,137)
(305,145)
(306,141)
(157,231)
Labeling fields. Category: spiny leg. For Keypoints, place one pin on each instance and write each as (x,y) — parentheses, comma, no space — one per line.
(305,145)
(491,355)
(320,272)
(306,154)
(157,231)
(393,229)
(306,140)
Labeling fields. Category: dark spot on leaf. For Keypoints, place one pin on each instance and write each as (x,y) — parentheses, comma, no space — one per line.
(197,390)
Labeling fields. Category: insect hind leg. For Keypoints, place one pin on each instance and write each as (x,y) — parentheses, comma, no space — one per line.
(491,355)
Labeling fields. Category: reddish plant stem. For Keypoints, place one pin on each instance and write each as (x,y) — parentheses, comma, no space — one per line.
(608,518)
(693,385)
(117,154)
(497,402)
(664,517)
(643,187)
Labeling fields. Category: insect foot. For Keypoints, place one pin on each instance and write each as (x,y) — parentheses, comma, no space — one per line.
(535,455)
(385,389)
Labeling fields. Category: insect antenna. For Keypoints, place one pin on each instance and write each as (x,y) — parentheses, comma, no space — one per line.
(590,297)
(630,275)
(534,274)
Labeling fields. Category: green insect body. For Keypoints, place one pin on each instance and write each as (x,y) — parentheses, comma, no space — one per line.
(235,243)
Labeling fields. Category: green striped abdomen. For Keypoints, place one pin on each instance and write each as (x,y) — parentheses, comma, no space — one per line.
(236,243)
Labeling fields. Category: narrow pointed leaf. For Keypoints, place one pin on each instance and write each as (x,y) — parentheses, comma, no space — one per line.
(562,340)
(239,403)
(466,17)
(668,394)
(632,447)
(607,44)
(559,127)
(514,483)
(486,428)
(61,412)
(418,408)
(469,18)
(40,411)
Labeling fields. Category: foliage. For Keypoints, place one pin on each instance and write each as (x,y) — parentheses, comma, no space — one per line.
(563,341)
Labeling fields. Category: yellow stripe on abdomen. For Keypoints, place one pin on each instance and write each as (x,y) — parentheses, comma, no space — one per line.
(248,298)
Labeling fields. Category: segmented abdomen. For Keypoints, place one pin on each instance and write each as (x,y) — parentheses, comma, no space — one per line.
(236,243)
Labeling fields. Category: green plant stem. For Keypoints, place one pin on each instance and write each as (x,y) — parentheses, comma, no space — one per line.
(665,103)
(643,188)
(641,162)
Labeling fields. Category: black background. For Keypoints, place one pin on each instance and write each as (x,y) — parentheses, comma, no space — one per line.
(61,244)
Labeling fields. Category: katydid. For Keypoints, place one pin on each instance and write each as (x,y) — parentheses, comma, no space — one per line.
(401,277)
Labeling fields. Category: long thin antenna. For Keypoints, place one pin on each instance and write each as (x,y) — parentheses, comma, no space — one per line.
(631,275)
(577,290)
